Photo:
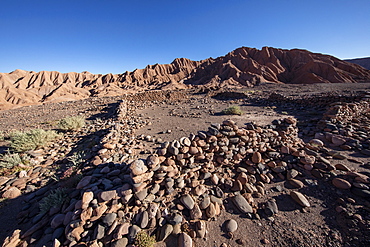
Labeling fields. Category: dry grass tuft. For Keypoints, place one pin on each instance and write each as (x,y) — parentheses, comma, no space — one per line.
(71,123)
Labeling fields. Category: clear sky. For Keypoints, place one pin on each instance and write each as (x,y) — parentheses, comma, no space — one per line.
(112,36)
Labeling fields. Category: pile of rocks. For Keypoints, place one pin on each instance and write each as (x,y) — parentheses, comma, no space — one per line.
(346,125)
(183,185)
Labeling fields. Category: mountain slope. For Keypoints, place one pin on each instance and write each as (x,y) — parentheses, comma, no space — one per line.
(241,67)
(364,62)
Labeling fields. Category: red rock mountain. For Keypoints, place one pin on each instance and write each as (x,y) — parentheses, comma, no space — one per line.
(241,67)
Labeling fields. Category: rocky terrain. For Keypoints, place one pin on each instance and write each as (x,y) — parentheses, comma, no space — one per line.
(241,67)
(293,170)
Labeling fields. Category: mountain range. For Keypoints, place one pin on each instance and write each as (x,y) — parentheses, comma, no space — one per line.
(364,62)
(241,67)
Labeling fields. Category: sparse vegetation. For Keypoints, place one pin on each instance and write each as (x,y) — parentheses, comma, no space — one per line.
(56,198)
(144,240)
(232,110)
(71,123)
(2,137)
(9,160)
(32,139)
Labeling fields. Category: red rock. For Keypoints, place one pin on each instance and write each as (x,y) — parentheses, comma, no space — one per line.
(243,66)
(256,157)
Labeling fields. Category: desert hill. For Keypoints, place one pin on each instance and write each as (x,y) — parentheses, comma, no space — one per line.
(364,62)
(241,67)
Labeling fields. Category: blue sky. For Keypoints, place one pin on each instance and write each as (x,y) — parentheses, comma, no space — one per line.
(114,36)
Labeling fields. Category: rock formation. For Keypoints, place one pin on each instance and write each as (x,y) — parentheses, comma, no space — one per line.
(241,67)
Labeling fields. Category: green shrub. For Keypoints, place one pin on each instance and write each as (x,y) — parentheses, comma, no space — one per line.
(32,139)
(2,137)
(232,110)
(144,240)
(71,123)
(56,198)
(9,160)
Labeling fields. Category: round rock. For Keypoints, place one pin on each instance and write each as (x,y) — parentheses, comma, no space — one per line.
(231,225)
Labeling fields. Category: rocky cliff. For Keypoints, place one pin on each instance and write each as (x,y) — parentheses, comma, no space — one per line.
(241,67)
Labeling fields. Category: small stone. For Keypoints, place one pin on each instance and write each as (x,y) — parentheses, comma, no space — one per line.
(201,229)
(342,167)
(141,194)
(185,240)
(188,201)
(231,225)
(200,189)
(176,229)
(292,174)
(84,182)
(122,242)
(109,219)
(296,183)
(196,213)
(105,170)
(185,141)
(108,146)
(152,160)
(316,143)
(144,220)
(142,177)
(11,193)
(99,231)
(205,202)
(341,183)
(133,231)
(242,204)
(107,195)
(265,241)
(271,208)
(166,231)
(123,229)
(57,221)
(337,140)
(307,160)
(299,198)
(138,167)
(87,197)
(240,241)
(214,179)
(256,157)
(211,211)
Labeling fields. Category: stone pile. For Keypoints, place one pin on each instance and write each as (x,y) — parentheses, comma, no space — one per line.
(186,183)
(347,125)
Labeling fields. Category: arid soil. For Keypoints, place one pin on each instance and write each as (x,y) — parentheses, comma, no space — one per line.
(324,223)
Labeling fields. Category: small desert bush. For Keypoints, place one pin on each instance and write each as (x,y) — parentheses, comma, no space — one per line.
(31,139)
(2,137)
(9,160)
(144,240)
(56,198)
(71,123)
(232,110)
